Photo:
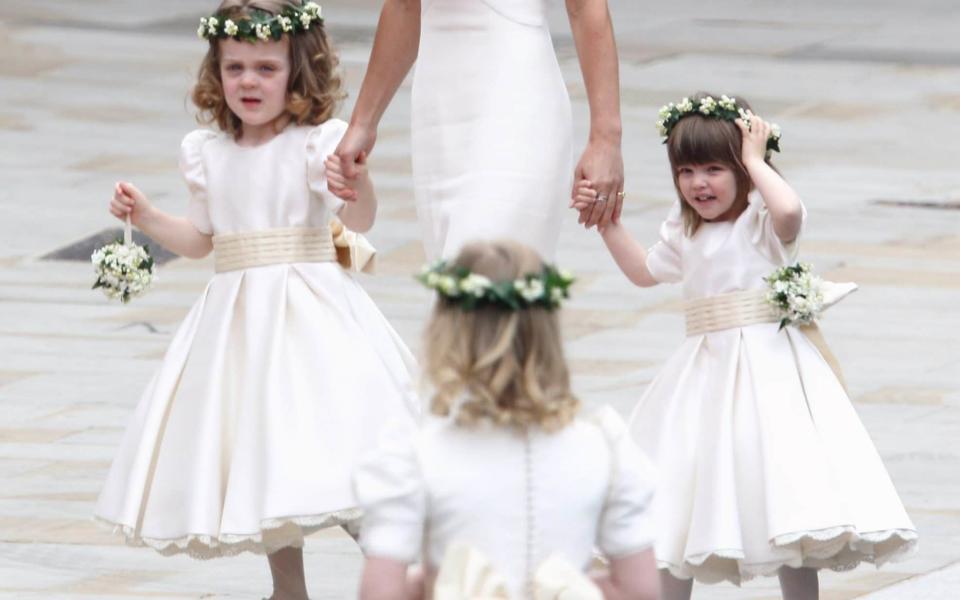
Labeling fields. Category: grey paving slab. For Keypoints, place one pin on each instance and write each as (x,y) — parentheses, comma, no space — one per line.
(865,90)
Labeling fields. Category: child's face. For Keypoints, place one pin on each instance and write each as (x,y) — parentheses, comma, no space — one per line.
(255,79)
(710,189)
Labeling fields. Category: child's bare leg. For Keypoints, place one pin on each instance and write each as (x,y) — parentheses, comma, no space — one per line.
(672,588)
(286,567)
(799,584)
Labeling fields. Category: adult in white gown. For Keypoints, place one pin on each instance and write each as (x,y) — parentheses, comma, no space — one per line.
(491,120)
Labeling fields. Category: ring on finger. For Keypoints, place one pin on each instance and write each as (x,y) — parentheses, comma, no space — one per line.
(621,195)
(601,198)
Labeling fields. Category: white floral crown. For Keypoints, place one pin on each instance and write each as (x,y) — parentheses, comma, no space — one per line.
(469,290)
(725,109)
(261,26)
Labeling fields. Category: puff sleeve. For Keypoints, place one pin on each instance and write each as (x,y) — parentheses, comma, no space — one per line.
(390,489)
(321,142)
(191,167)
(759,226)
(664,259)
(625,525)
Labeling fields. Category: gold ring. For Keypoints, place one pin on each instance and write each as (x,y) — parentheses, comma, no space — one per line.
(621,195)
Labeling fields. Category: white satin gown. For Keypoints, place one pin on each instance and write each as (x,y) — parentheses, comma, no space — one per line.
(491,127)
(275,382)
(518,500)
(763,461)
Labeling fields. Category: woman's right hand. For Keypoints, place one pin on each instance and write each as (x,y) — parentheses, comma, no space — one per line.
(128,200)
(356,144)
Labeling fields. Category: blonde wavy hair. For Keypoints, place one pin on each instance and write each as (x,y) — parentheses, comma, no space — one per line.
(494,364)
(314,89)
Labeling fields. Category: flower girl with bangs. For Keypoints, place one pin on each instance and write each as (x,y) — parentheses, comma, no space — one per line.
(281,373)
(764,465)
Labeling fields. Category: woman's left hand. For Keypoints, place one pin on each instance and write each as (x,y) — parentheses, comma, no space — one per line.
(602,165)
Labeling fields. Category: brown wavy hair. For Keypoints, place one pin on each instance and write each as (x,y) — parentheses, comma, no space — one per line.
(498,365)
(314,89)
(697,139)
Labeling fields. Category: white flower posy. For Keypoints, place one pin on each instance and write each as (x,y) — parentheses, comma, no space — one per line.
(796,293)
(123,272)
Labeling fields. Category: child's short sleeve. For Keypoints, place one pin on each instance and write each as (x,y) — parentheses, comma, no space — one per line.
(664,259)
(191,167)
(321,142)
(759,226)
(389,488)
(625,525)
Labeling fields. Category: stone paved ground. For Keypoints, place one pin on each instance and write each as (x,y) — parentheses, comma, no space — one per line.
(865,90)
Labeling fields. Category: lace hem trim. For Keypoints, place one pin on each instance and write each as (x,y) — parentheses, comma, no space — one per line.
(836,548)
(274,534)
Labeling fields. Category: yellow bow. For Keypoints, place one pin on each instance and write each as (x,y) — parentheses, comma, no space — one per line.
(354,252)
(467,574)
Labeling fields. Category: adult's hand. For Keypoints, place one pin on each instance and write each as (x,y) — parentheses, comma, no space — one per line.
(354,147)
(602,165)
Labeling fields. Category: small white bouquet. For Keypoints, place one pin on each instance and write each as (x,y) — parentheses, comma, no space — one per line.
(124,270)
(796,293)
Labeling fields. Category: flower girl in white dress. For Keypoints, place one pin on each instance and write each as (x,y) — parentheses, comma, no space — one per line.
(246,438)
(505,490)
(764,466)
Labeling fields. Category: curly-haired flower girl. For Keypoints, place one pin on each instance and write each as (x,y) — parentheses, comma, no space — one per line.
(246,438)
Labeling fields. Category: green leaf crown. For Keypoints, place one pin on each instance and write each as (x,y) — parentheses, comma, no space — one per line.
(725,108)
(458,285)
(261,26)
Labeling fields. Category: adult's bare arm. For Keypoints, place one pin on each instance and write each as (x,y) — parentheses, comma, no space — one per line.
(394,51)
(602,160)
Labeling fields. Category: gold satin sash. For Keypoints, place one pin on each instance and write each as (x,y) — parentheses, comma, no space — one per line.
(467,574)
(749,307)
(336,243)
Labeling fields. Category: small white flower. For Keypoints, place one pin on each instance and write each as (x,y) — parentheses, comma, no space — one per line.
(263,32)
(707,105)
(775,131)
(286,24)
(448,285)
(530,290)
(661,128)
(556,294)
(685,106)
(728,103)
(313,8)
(212,23)
(202,30)
(665,111)
(565,275)
(475,284)
(230,28)
(305,19)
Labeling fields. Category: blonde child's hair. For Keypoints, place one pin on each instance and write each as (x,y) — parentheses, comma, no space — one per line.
(494,364)
(697,139)
(313,91)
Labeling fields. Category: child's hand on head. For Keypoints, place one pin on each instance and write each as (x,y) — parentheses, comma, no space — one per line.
(128,200)
(337,181)
(754,138)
